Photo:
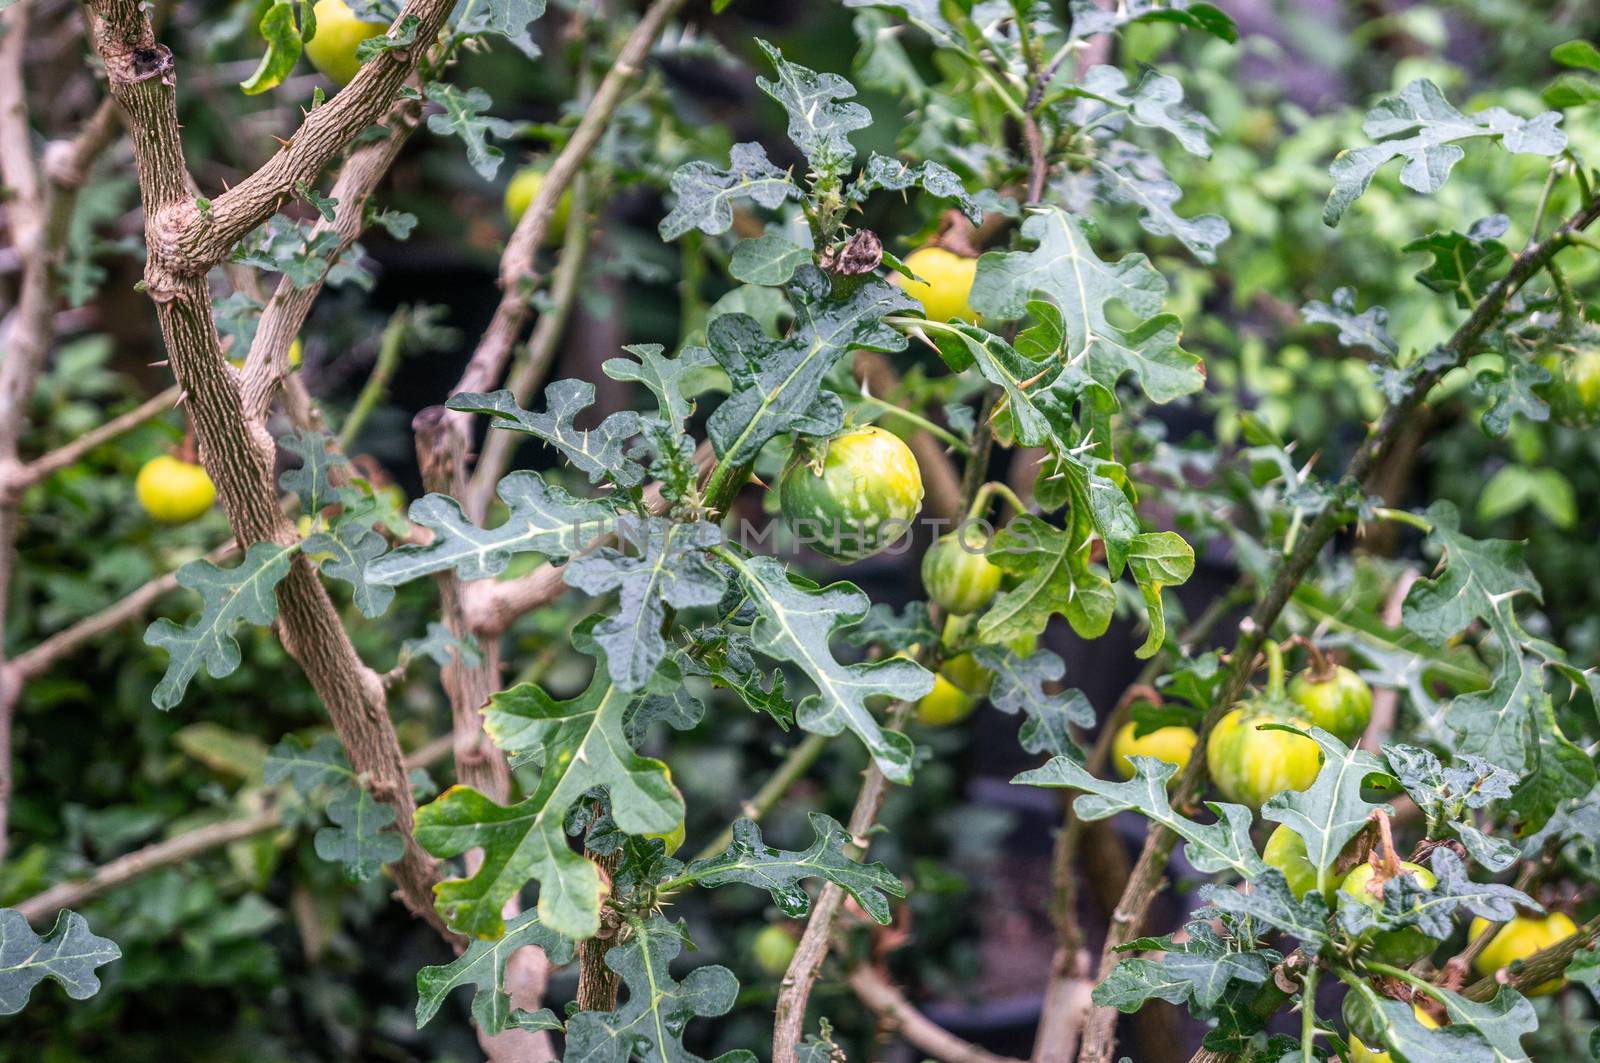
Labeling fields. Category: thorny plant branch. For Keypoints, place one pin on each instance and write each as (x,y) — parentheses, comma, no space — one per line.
(285,313)
(235,448)
(203,239)
(1099,1040)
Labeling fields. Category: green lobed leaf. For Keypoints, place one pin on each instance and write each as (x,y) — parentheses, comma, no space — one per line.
(1019,684)
(966,346)
(483,966)
(1379,1020)
(768,259)
(1559,771)
(794,623)
(1268,902)
(727,658)
(441,646)
(1054,576)
(598,451)
(1157,560)
(1512,391)
(461,115)
(1331,811)
(1156,102)
(1445,794)
(506,18)
(1064,269)
(1129,175)
(884,173)
(359,839)
(307,767)
(541,519)
(1464,264)
(1422,127)
(312,481)
(657,564)
(1478,581)
(752,862)
(69,955)
(820,118)
(1211,847)
(1502,1021)
(1369,328)
(777,384)
(894,631)
(581,745)
(705,194)
(649,1024)
(1200,968)
(346,553)
(244,593)
(671,380)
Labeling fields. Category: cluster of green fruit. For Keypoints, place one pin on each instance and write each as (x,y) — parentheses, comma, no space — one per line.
(1249,760)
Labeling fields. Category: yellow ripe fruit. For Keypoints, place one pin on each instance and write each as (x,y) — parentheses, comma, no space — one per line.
(525,184)
(333,49)
(1519,939)
(949,283)
(173,491)
(945,704)
(1171,744)
(1360,1053)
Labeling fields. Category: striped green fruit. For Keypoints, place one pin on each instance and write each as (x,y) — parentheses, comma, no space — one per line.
(1249,765)
(857,499)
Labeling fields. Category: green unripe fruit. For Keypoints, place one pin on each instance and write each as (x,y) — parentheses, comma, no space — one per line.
(1401,947)
(859,499)
(957,575)
(1573,390)
(774,947)
(1340,702)
(1286,851)
(1249,765)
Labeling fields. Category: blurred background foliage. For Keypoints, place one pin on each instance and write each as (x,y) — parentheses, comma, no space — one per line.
(263,952)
